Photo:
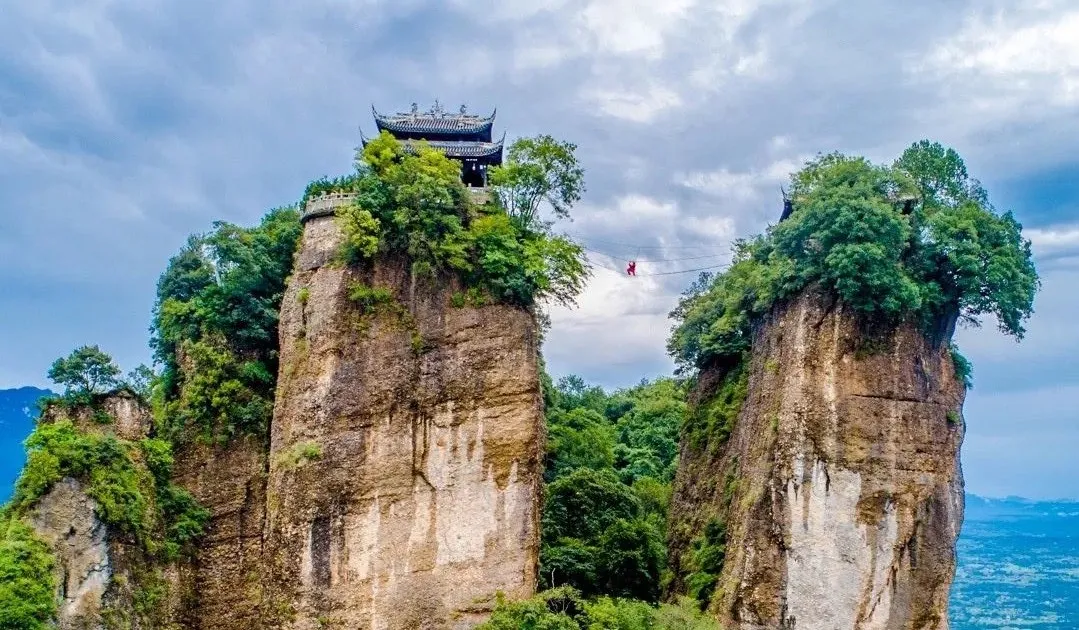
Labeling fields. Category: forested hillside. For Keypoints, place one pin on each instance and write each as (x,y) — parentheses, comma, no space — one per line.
(610,463)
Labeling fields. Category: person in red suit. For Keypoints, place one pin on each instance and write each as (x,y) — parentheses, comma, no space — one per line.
(631,269)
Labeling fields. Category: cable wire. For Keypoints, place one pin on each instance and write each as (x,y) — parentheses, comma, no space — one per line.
(652,260)
(638,246)
(662,273)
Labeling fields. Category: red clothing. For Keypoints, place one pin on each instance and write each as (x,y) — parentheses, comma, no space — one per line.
(632,268)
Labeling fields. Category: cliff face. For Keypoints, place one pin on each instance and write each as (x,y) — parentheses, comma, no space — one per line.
(223,579)
(65,519)
(103,576)
(405,460)
(840,485)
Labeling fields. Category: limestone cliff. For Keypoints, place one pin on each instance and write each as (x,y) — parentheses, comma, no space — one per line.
(224,577)
(405,460)
(65,519)
(104,577)
(839,487)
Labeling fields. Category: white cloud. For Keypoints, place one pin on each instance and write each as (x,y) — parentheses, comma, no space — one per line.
(633,212)
(739,185)
(715,230)
(640,103)
(1025,54)
(1054,239)
(632,27)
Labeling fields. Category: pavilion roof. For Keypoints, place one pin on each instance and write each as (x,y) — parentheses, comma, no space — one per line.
(435,121)
(460,149)
(465,148)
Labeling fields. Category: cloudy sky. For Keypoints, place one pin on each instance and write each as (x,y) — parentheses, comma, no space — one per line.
(127,125)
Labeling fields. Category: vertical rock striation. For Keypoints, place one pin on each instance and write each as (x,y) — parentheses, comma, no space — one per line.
(844,494)
(224,579)
(405,460)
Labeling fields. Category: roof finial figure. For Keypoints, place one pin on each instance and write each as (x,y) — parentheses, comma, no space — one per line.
(415,109)
(788,205)
(464,109)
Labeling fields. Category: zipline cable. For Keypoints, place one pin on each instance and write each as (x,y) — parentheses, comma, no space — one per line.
(663,273)
(639,246)
(652,260)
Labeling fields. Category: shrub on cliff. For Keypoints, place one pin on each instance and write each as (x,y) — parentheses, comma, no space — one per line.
(411,202)
(27,584)
(129,481)
(215,327)
(917,240)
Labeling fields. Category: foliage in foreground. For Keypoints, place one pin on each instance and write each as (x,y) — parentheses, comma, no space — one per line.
(27,584)
(411,202)
(563,608)
(917,241)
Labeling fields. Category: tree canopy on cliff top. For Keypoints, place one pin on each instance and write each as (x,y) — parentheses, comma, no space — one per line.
(916,240)
(411,201)
(217,313)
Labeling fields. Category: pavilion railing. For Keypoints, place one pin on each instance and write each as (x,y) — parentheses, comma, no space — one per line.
(326,204)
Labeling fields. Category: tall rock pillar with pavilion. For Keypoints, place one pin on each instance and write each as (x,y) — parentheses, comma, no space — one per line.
(417,493)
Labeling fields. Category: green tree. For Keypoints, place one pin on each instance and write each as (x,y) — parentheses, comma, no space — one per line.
(574,392)
(917,240)
(604,522)
(605,613)
(633,557)
(555,609)
(536,170)
(684,615)
(580,438)
(941,176)
(563,608)
(848,235)
(27,584)
(86,372)
(141,381)
(584,503)
(218,302)
(971,260)
(573,562)
(410,200)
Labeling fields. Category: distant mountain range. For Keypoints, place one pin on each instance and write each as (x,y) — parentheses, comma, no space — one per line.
(18,409)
